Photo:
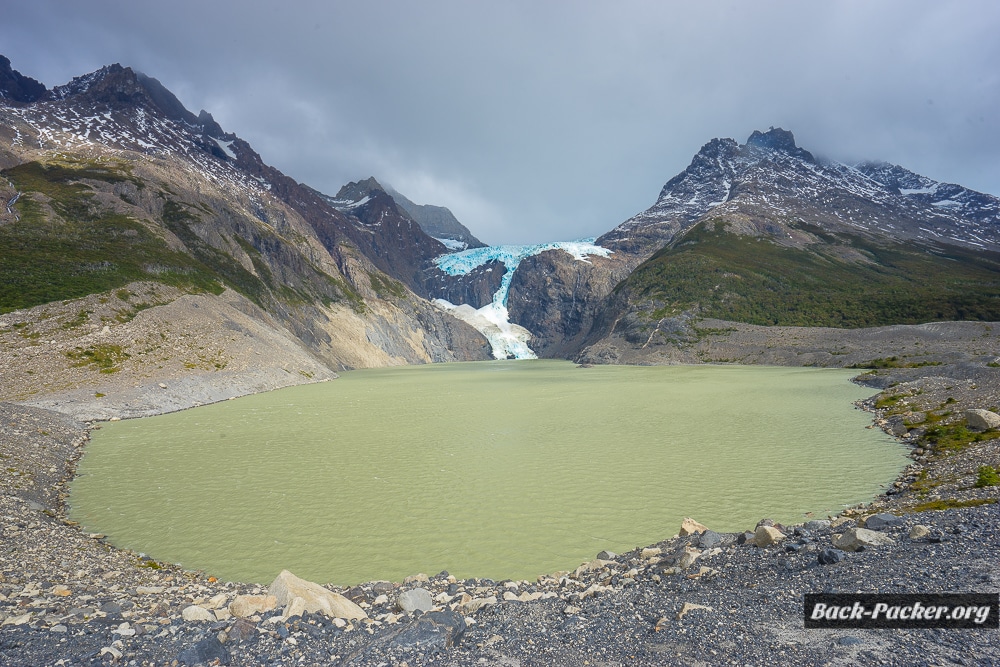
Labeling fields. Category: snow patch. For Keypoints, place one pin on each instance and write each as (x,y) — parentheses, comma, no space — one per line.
(452,244)
(920,191)
(226,146)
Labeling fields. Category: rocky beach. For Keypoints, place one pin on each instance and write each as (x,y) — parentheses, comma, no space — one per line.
(699,597)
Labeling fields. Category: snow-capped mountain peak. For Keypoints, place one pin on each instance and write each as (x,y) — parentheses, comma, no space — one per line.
(770,179)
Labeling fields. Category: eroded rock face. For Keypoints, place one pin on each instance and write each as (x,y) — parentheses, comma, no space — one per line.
(475,288)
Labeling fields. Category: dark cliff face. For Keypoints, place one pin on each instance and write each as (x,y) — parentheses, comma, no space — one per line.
(18,88)
(475,288)
(557,298)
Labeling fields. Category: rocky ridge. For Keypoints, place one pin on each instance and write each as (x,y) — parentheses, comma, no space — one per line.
(439,222)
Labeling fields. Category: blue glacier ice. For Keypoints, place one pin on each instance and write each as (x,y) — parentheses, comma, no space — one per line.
(507,339)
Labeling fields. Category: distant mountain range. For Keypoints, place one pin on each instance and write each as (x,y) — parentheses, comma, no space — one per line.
(109,179)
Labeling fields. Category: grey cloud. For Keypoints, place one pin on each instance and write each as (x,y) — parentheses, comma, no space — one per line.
(548,121)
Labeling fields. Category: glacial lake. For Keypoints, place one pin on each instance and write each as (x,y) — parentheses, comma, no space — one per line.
(504,469)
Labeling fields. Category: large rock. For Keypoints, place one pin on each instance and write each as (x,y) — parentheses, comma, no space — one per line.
(196,613)
(286,587)
(417,599)
(856,539)
(689,527)
(248,605)
(883,521)
(434,630)
(765,536)
(208,651)
(982,420)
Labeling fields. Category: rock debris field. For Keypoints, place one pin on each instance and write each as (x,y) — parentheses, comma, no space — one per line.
(698,598)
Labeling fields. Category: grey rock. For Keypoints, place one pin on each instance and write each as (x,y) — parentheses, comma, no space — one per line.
(382,587)
(111,608)
(849,641)
(982,420)
(607,555)
(417,599)
(205,651)
(816,524)
(436,629)
(709,539)
(883,521)
(858,539)
(831,556)
(242,630)
(896,426)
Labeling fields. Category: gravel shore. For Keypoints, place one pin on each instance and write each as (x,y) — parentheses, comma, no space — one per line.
(69,598)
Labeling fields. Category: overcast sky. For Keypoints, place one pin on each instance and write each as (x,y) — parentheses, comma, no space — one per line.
(542,121)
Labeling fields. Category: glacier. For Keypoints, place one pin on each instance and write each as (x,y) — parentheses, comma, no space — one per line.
(507,339)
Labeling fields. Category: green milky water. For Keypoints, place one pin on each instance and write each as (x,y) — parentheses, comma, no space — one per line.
(494,469)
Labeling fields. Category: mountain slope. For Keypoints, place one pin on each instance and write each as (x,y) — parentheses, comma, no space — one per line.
(765,233)
(109,180)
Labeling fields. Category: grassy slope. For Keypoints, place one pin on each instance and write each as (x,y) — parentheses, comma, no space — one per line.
(753,280)
(66,245)
(80,247)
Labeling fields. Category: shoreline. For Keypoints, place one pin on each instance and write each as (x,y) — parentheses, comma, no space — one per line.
(471,606)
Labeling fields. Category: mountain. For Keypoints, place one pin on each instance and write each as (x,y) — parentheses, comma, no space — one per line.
(765,233)
(769,180)
(109,180)
(439,222)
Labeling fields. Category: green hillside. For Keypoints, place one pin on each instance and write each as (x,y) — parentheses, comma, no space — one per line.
(754,280)
(70,242)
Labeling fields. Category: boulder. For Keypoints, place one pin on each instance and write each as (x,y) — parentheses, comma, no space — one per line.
(765,536)
(248,605)
(196,613)
(433,630)
(417,599)
(883,521)
(856,539)
(982,420)
(831,556)
(206,651)
(919,532)
(687,558)
(689,527)
(317,599)
(709,539)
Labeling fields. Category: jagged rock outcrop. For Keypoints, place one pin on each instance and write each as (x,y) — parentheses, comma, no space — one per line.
(16,87)
(439,222)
